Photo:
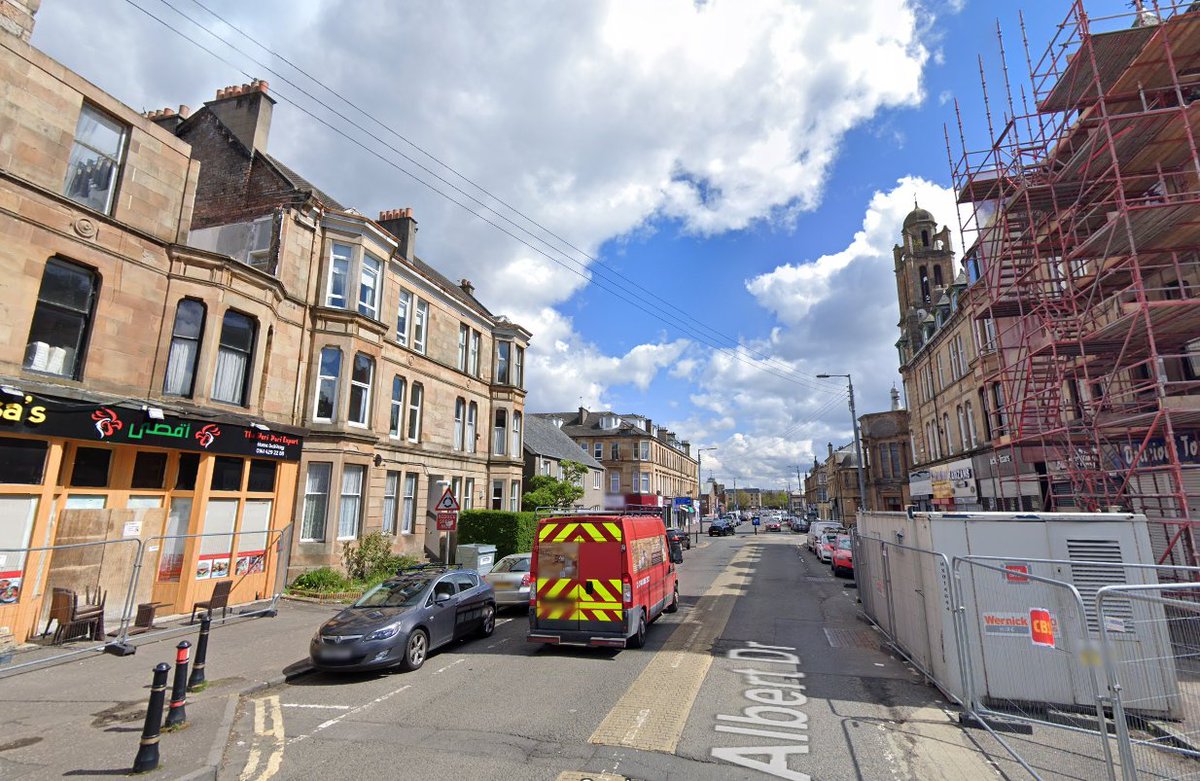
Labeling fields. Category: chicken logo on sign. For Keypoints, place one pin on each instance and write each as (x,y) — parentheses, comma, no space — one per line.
(107,422)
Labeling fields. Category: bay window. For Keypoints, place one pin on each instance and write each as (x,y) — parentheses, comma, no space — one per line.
(328,371)
(361,377)
(232,380)
(180,379)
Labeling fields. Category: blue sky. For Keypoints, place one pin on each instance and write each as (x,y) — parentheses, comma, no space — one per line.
(746,164)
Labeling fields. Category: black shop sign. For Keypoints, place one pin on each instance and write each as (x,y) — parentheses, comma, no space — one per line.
(47,416)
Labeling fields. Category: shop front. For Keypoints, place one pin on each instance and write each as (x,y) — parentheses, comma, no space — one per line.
(953,485)
(156,508)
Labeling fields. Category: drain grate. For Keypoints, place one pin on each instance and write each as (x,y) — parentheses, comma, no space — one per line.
(852,638)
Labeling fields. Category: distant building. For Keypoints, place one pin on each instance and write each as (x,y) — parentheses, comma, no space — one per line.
(547,447)
(885,441)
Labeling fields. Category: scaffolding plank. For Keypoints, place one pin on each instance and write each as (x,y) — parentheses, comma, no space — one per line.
(1113,53)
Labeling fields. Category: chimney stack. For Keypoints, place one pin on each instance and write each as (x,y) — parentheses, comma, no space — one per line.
(16,17)
(830,446)
(895,399)
(167,117)
(583,416)
(400,223)
(246,111)
(467,287)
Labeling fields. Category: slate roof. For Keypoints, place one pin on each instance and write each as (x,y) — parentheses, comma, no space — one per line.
(543,438)
(300,183)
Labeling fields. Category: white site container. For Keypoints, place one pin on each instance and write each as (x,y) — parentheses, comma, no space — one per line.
(1000,664)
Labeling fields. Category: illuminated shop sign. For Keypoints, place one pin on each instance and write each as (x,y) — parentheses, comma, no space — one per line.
(72,419)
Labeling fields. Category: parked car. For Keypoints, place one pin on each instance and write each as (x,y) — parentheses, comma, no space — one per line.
(681,536)
(772,525)
(404,619)
(721,528)
(815,530)
(825,547)
(511,580)
(843,556)
(628,566)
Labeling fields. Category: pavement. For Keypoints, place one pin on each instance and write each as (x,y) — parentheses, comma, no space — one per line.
(84,717)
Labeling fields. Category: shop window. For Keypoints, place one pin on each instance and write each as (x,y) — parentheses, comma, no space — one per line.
(180,379)
(95,163)
(189,465)
(15,533)
(61,319)
(149,470)
(90,469)
(361,377)
(232,378)
(327,384)
(227,473)
(217,542)
(252,540)
(316,502)
(262,476)
(170,561)
(22,461)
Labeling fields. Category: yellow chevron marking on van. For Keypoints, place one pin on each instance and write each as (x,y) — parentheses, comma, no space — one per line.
(614,530)
(601,591)
(547,531)
(593,532)
(566,532)
(557,587)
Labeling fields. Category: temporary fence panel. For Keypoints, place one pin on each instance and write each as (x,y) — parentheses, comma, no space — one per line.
(873,587)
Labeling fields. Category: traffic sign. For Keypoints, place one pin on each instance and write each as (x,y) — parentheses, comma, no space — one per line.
(447,502)
(447,520)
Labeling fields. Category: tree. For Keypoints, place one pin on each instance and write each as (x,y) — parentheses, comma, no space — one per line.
(545,491)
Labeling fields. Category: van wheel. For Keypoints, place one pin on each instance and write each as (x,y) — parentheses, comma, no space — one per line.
(671,608)
(639,637)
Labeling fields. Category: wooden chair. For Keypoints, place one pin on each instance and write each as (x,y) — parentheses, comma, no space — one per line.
(71,616)
(219,599)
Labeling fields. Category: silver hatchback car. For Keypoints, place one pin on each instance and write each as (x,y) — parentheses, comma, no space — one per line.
(511,580)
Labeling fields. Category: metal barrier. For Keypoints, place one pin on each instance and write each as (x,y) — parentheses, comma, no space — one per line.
(1150,637)
(132,570)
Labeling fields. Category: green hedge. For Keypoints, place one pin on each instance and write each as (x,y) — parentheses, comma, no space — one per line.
(510,532)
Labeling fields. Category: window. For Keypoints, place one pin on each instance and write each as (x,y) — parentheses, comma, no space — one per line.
(262,475)
(316,502)
(339,270)
(58,333)
(1000,414)
(502,354)
(598,451)
(472,425)
(583,446)
(232,380)
(645,451)
(227,473)
(962,429)
(464,334)
(460,413)
(402,317)
(90,469)
(499,432)
(519,366)
(514,496)
(473,356)
(897,466)
(883,462)
(391,486)
(180,379)
(415,396)
(361,378)
(95,160)
(937,274)
(645,482)
(185,476)
(368,286)
(497,494)
(972,437)
(327,384)
(350,507)
(22,461)
(397,406)
(949,435)
(616,451)
(149,470)
(596,479)
(515,446)
(408,519)
(420,325)
(468,498)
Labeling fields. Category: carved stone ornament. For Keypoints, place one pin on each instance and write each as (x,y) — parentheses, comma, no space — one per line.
(85,227)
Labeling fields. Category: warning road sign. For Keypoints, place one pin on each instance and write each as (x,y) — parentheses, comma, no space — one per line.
(447,520)
(447,502)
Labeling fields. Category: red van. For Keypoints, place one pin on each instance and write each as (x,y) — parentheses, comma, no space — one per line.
(601,578)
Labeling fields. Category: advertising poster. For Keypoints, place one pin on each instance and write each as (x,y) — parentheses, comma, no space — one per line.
(250,562)
(220,568)
(10,587)
(204,569)
(1041,627)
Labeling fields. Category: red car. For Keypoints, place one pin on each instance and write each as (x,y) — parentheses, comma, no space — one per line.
(843,556)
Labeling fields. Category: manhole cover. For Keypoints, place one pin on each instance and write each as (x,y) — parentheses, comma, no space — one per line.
(852,638)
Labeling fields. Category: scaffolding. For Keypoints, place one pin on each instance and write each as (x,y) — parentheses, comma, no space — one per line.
(1081,220)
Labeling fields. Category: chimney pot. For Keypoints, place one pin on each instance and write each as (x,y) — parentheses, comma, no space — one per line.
(167,112)
(263,85)
(184,111)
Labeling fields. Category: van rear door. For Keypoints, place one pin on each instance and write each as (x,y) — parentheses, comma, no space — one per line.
(580,565)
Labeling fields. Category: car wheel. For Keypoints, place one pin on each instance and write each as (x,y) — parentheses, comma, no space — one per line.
(489,621)
(674,606)
(416,648)
(639,637)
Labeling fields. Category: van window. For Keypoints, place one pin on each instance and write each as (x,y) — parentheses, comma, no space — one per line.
(647,552)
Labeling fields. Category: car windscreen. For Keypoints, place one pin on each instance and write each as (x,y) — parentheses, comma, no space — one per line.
(394,593)
(830,538)
(844,544)
(513,564)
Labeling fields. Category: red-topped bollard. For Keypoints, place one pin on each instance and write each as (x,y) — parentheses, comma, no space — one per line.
(177,715)
(147,755)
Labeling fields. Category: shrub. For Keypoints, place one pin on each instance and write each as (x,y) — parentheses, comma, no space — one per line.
(325,579)
(510,532)
(370,559)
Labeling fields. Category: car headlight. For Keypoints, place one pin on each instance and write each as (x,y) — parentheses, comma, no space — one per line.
(383,634)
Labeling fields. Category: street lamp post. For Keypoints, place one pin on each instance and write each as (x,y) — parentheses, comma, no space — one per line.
(858,454)
(700,489)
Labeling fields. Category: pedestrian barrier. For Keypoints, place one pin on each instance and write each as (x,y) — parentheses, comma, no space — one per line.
(123,572)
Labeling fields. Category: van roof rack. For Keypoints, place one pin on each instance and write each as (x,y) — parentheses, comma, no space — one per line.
(551,512)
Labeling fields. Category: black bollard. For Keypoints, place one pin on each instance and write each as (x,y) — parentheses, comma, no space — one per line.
(177,715)
(147,755)
(196,679)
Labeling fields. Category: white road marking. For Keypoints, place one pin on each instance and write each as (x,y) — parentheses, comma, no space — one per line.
(447,667)
(314,705)
(326,724)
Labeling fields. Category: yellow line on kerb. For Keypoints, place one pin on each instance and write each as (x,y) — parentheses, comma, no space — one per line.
(645,719)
